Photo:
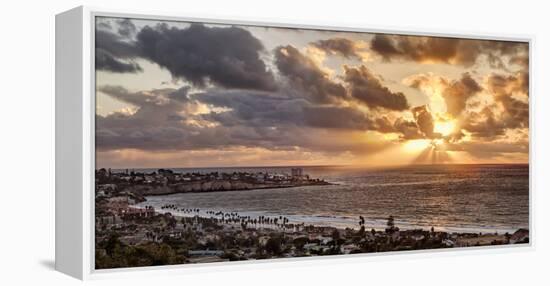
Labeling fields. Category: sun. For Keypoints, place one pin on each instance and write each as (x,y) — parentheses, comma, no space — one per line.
(445,128)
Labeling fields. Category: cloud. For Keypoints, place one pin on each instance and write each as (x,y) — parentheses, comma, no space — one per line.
(156,123)
(126,27)
(252,108)
(520,60)
(426,49)
(339,46)
(366,88)
(457,93)
(508,90)
(165,120)
(272,110)
(332,117)
(510,109)
(483,124)
(229,57)
(424,121)
(490,150)
(115,53)
(304,75)
(408,129)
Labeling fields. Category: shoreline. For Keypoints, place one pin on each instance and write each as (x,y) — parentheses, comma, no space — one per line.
(149,237)
(135,226)
(377,224)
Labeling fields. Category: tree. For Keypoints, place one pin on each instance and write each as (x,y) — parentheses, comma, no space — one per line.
(273,246)
(390,222)
(362,231)
(335,235)
(391,225)
(112,243)
(299,242)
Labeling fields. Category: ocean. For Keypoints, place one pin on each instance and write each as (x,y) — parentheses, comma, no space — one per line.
(454,198)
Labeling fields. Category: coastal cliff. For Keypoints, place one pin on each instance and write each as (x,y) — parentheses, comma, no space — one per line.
(213,186)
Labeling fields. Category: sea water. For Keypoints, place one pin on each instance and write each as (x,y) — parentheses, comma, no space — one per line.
(461,198)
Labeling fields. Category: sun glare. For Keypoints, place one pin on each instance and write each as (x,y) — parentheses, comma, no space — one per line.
(417,145)
(445,128)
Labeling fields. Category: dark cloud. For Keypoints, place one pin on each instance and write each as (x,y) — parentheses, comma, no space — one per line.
(304,75)
(332,117)
(408,129)
(229,57)
(508,84)
(275,110)
(103,25)
(252,108)
(483,124)
(152,126)
(167,119)
(366,88)
(383,125)
(115,53)
(164,121)
(457,92)
(520,60)
(444,50)
(507,112)
(338,46)
(424,121)
(126,28)
(504,89)
(105,61)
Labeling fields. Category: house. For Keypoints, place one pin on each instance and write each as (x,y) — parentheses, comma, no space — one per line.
(322,239)
(206,252)
(263,239)
(118,200)
(449,242)
(137,212)
(520,236)
(348,248)
(417,236)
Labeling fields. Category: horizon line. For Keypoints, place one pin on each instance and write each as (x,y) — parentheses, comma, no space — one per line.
(313,166)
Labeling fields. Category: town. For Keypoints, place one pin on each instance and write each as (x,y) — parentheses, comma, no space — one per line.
(165,181)
(131,236)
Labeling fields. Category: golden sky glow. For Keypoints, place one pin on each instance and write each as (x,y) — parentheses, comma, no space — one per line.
(172,94)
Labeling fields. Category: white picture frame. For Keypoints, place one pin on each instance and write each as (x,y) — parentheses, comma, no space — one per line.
(75,139)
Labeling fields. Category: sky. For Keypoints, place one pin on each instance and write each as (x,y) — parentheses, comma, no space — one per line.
(178,94)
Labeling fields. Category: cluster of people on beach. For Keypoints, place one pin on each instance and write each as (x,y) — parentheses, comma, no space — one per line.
(236,218)
(175,208)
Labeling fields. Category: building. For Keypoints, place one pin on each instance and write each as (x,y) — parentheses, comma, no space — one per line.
(520,236)
(137,212)
(297,172)
(206,252)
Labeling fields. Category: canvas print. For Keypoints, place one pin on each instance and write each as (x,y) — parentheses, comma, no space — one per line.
(221,142)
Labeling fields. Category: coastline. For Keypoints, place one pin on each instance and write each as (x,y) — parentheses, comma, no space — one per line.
(210,217)
(340,223)
(145,236)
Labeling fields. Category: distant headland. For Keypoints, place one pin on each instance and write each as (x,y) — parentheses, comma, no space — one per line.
(167,181)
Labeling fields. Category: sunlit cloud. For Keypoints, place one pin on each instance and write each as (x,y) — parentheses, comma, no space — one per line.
(180,94)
